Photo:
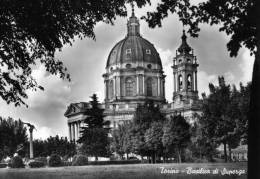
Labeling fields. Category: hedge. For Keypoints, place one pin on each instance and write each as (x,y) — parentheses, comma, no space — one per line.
(114,162)
(36,164)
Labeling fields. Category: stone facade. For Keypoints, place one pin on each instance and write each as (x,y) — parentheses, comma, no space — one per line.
(134,74)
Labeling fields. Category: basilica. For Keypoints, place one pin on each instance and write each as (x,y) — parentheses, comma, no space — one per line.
(134,74)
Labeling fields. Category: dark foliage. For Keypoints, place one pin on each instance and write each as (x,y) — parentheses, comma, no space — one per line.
(13,137)
(3,165)
(41,159)
(176,135)
(32,31)
(54,161)
(225,115)
(94,137)
(54,145)
(114,162)
(16,162)
(79,160)
(36,164)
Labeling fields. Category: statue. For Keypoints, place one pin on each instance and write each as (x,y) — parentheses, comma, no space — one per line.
(31,128)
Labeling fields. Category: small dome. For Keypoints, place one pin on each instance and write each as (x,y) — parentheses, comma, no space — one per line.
(133,48)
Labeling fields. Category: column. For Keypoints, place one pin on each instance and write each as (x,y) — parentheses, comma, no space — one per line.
(158,87)
(174,81)
(69,135)
(115,87)
(137,84)
(77,131)
(105,89)
(143,86)
(193,81)
(73,132)
(196,85)
(119,86)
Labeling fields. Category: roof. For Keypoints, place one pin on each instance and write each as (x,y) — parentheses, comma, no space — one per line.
(133,47)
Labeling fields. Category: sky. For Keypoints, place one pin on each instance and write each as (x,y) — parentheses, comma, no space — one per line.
(86,60)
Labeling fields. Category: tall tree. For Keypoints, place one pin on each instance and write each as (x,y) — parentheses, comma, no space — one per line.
(117,141)
(32,31)
(144,116)
(13,137)
(176,135)
(94,137)
(225,115)
(153,140)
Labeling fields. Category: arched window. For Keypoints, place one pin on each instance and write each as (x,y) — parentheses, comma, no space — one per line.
(180,82)
(149,87)
(111,90)
(129,87)
(189,81)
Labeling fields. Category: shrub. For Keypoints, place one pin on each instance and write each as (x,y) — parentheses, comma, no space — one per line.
(36,164)
(79,160)
(54,161)
(16,162)
(3,165)
(41,159)
(66,163)
(114,162)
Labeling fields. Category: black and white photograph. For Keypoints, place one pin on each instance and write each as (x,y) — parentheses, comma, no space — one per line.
(129,89)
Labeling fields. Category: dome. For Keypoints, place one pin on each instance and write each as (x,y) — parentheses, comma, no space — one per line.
(133,48)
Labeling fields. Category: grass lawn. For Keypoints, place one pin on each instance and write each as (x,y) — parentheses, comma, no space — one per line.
(126,171)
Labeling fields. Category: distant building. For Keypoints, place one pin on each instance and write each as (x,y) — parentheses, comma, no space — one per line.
(134,74)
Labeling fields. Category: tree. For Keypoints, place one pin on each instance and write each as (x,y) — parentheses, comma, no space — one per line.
(153,140)
(176,135)
(216,118)
(13,136)
(144,117)
(225,115)
(94,137)
(117,141)
(53,145)
(201,146)
(32,31)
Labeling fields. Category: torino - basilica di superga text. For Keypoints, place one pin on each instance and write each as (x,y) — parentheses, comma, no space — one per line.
(134,74)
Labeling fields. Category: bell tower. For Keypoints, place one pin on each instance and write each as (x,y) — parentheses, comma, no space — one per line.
(185,73)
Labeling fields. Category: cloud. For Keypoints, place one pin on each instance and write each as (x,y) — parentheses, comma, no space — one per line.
(203,81)
(246,66)
(43,133)
(166,57)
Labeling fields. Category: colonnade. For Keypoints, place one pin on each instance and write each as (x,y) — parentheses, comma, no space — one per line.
(74,130)
(140,85)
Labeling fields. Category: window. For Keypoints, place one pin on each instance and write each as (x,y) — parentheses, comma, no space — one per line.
(129,87)
(148,51)
(149,66)
(128,65)
(180,82)
(180,60)
(189,81)
(111,89)
(189,60)
(149,87)
(128,51)
(111,68)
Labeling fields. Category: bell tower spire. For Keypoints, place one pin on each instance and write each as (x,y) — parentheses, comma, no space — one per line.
(185,72)
(133,26)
